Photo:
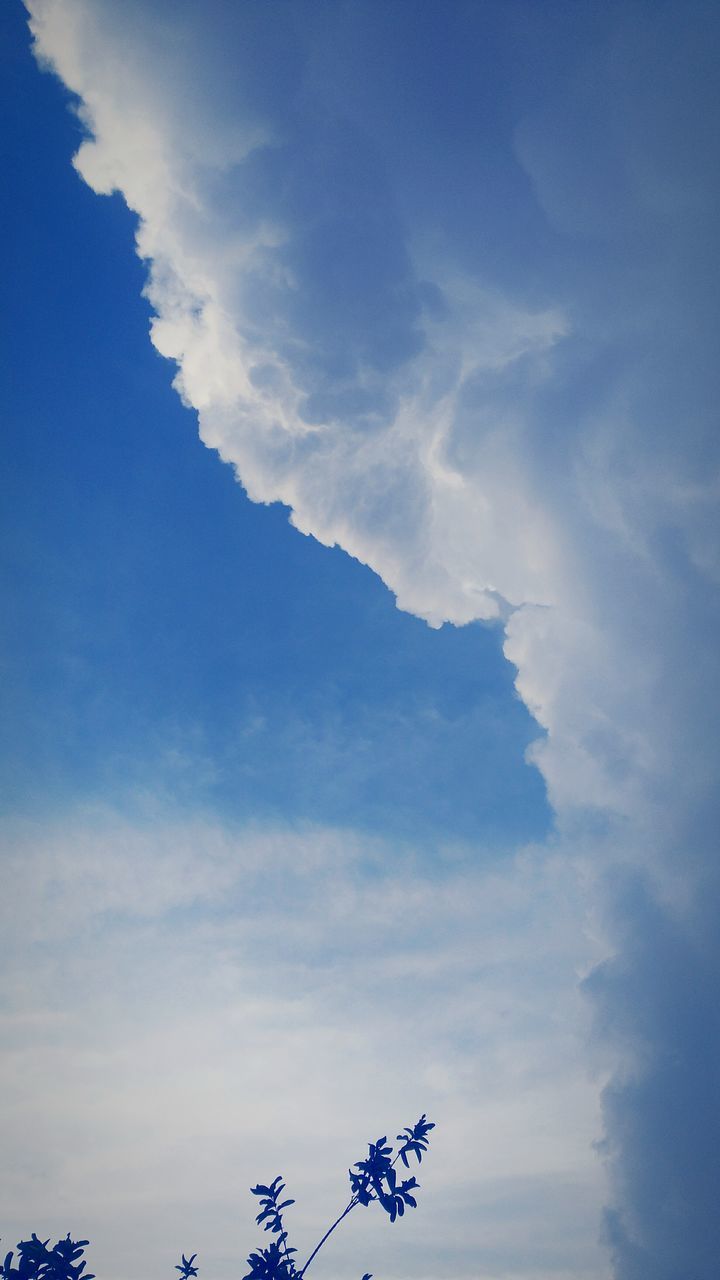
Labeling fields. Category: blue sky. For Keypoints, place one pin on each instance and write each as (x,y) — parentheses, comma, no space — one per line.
(384,777)
(252,670)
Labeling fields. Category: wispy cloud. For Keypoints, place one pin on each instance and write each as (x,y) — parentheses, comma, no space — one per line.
(187,1007)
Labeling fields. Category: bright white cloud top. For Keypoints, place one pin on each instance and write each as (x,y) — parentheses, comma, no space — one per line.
(442,280)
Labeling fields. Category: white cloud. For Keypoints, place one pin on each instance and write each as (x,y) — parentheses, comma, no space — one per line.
(552,450)
(441,489)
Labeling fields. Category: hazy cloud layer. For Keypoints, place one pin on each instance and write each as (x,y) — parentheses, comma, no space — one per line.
(188,1009)
(448,290)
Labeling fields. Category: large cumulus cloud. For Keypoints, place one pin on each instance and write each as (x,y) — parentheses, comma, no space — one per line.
(446,287)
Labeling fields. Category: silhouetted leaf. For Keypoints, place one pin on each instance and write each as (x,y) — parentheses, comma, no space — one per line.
(186,1267)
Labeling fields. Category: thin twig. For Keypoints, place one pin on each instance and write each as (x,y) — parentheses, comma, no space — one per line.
(335,1224)
(329,1232)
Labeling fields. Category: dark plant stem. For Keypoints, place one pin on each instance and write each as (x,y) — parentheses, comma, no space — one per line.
(329,1232)
(335,1224)
(288,1259)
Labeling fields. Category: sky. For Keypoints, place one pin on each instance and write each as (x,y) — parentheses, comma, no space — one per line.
(360,565)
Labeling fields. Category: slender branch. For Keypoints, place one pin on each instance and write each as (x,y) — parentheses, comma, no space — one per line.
(329,1232)
(288,1259)
(336,1223)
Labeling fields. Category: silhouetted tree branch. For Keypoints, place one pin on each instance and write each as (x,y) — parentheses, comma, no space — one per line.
(371,1180)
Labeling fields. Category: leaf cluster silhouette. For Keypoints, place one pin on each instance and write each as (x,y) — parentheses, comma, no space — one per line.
(372,1180)
(37,1262)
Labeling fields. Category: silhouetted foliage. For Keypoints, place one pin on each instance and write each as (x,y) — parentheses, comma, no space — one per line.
(277,1255)
(186,1268)
(371,1180)
(37,1262)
